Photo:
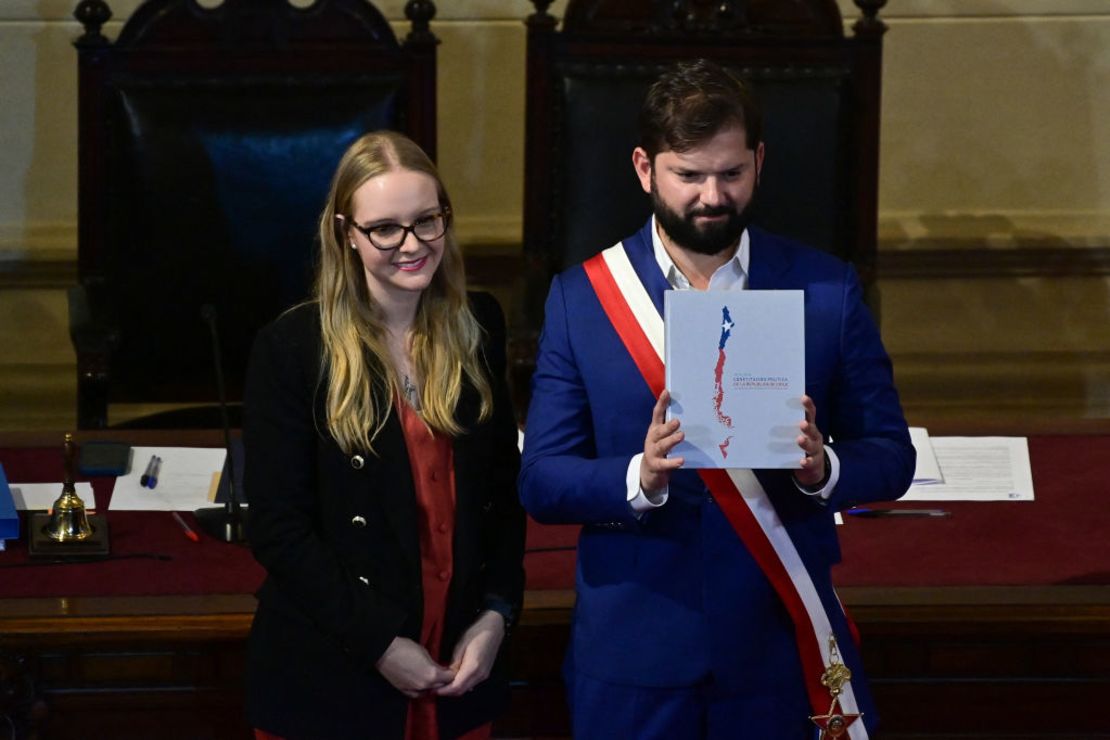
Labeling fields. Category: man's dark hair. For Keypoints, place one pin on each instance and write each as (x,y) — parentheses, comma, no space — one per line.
(691,103)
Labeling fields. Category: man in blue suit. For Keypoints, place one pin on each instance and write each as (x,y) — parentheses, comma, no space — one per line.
(705,604)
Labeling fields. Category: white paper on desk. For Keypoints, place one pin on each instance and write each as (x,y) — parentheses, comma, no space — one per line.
(184,480)
(927,469)
(979,469)
(41,496)
(735,369)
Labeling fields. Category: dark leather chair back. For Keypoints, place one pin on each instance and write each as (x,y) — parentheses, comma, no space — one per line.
(819,91)
(208,137)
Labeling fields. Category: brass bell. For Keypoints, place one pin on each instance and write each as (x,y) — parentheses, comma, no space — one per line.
(68,521)
(68,531)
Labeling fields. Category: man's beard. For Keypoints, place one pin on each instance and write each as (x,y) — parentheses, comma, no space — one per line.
(711,238)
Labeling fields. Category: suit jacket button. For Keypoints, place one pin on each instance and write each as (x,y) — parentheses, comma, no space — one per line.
(358,521)
(364,579)
(357,462)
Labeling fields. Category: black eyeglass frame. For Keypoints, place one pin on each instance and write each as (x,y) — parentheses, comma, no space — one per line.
(445,215)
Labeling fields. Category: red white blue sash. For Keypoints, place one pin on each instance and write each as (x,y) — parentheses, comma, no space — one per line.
(737,492)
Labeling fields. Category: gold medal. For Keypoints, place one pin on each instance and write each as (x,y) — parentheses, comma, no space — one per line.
(834,723)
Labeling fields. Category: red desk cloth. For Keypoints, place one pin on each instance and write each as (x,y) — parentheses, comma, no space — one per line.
(1061,538)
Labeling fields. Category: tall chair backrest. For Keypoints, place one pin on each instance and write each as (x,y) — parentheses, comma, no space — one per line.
(207,138)
(819,89)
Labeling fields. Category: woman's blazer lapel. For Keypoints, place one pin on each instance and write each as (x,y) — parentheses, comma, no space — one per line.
(467,489)
(397,489)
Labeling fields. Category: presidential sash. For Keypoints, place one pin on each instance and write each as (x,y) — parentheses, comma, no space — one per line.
(744,503)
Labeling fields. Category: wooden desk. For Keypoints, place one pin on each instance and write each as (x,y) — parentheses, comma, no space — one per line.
(1001,660)
(123,666)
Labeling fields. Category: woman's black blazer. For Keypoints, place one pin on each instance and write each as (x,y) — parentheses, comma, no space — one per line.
(337,535)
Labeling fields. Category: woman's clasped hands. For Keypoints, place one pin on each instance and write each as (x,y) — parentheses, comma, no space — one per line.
(413,672)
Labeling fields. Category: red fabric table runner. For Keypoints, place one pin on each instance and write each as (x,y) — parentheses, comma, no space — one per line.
(1061,538)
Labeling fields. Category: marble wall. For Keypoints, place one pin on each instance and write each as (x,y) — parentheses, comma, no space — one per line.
(994,202)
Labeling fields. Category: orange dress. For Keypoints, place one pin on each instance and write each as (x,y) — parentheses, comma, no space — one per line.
(431,456)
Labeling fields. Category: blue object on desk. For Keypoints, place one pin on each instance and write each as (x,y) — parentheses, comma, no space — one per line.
(875,513)
(9,517)
(156,468)
(144,479)
(104,458)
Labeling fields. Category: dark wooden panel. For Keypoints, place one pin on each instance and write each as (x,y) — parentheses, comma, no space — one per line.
(972,663)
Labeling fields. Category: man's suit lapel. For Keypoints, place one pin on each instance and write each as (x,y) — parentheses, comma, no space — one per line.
(641,254)
(766,266)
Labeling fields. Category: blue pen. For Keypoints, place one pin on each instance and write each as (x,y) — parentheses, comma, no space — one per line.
(145,479)
(154,473)
(871,513)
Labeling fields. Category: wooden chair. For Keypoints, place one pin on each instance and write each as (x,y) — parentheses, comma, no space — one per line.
(819,88)
(207,140)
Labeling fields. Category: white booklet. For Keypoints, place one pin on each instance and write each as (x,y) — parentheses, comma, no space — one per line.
(735,369)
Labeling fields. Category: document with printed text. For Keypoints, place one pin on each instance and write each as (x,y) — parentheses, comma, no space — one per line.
(735,369)
(978,469)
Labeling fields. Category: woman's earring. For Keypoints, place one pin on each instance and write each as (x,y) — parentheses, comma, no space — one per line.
(354,246)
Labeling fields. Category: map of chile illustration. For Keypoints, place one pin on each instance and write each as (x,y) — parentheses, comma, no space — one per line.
(718,387)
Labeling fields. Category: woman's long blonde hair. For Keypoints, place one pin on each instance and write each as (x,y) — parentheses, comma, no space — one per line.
(362,381)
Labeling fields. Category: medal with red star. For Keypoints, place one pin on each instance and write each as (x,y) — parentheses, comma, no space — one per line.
(834,723)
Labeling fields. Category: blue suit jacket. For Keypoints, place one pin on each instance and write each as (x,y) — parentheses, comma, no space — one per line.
(674,597)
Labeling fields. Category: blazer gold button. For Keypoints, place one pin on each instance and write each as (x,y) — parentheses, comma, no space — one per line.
(358,521)
(357,462)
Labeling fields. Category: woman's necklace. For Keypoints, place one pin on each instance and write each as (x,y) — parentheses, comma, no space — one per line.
(410,391)
(400,343)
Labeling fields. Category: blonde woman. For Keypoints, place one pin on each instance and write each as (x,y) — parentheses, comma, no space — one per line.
(381,463)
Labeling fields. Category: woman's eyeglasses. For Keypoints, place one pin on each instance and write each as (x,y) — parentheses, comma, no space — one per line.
(389,236)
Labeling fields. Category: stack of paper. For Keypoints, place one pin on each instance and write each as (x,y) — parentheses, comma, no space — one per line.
(970,469)
(187,480)
(928,469)
(41,496)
